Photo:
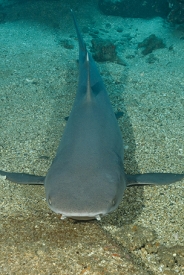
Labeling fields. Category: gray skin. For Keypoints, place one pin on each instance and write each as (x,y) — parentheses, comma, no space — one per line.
(86,179)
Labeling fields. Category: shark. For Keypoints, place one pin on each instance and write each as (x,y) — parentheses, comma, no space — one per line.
(86,179)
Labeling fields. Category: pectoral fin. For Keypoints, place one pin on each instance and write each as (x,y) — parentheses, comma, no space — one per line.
(153,178)
(22,178)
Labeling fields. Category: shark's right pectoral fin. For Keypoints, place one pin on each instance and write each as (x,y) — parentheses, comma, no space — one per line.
(153,178)
(22,178)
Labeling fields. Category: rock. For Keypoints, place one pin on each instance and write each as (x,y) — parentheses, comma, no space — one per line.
(135,8)
(150,44)
(105,50)
(176,14)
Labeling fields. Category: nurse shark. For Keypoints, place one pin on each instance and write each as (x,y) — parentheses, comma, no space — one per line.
(86,179)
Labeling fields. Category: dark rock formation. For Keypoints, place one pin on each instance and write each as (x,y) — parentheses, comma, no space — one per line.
(176,14)
(135,8)
(105,50)
(150,44)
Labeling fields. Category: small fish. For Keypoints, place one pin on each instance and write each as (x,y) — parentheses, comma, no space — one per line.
(86,179)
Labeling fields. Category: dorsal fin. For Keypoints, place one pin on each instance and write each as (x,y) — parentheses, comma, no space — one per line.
(82,44)
(83,62)
(90,81)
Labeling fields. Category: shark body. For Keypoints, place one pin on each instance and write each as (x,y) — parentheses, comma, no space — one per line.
(86,179)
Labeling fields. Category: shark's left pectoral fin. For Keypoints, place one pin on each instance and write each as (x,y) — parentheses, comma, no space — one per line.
(153,178)
(22,178)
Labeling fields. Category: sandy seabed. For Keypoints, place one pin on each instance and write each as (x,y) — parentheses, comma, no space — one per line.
(38,81)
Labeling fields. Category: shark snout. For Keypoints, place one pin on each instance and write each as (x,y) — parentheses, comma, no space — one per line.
(86,207)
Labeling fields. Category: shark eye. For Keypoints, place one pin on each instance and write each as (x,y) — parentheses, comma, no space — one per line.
(49,201)
(113,202)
